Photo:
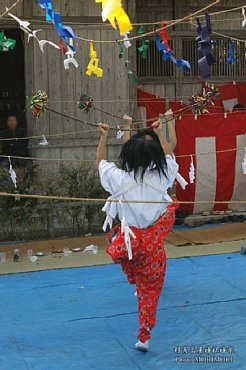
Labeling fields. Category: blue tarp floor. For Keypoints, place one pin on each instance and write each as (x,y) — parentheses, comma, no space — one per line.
(85,318)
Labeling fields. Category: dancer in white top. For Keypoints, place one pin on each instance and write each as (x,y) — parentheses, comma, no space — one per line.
(147,170)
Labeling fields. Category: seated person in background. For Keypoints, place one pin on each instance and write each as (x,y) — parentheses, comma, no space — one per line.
(16,148)
(238,108)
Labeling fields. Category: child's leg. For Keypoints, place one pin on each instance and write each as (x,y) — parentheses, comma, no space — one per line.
(149,286)
(127,268)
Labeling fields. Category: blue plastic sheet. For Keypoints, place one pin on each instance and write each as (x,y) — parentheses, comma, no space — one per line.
(85,319)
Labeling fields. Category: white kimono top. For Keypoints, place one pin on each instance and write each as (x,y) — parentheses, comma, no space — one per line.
(122,185)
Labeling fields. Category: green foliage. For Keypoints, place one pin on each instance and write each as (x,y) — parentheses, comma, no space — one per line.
(35,219)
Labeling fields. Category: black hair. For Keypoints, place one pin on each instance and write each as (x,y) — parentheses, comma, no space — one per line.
(238,107)
(139,154)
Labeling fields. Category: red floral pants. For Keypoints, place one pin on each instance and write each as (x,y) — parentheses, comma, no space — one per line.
(147,268)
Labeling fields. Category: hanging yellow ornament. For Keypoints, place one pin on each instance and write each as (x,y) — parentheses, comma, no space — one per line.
(113,11)
(92,67)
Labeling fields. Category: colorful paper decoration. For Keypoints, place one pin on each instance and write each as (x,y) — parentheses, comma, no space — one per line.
(165,38)
(24,26)
(208,97)
(244,16)
(85,102)
(143,48)
(5,43)
(192,171)
(47,5)
(38,103)
(93,64)
(64,32)
(205,54)
(168,54)
(113,11)
(231,53)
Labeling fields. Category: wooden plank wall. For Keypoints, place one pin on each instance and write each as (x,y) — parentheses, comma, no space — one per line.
(45,71)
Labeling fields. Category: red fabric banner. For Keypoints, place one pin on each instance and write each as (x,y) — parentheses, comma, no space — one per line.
(219,176)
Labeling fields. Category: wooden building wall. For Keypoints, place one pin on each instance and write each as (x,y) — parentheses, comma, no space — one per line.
(45,71)
(181,85)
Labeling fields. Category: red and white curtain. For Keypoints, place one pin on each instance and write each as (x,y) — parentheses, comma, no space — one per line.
(219,176)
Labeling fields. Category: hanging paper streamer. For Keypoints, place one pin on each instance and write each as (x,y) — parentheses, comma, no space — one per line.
(121,50)
(192,171)
(93,64)
(231,53)
(168,54)
(244,16)
(113,11)
(85,102)
(208,97)
(130,73)
(5,43)
(127,42)
(70,56)
(44,142)
(47,5)
(24,26)
(244,163)
(12,173)
(38,103)
(143,48)
(119,134)
(165,38)
(182,182)
(206,57)
(66,33)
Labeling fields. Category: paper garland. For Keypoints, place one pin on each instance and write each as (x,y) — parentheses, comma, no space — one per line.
(38,103)
(92,67)
(205,54)
(113,11)
(5,43)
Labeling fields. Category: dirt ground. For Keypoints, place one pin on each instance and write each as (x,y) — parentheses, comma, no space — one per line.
(79,259)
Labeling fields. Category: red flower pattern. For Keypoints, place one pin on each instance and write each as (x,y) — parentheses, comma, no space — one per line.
(148,266)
